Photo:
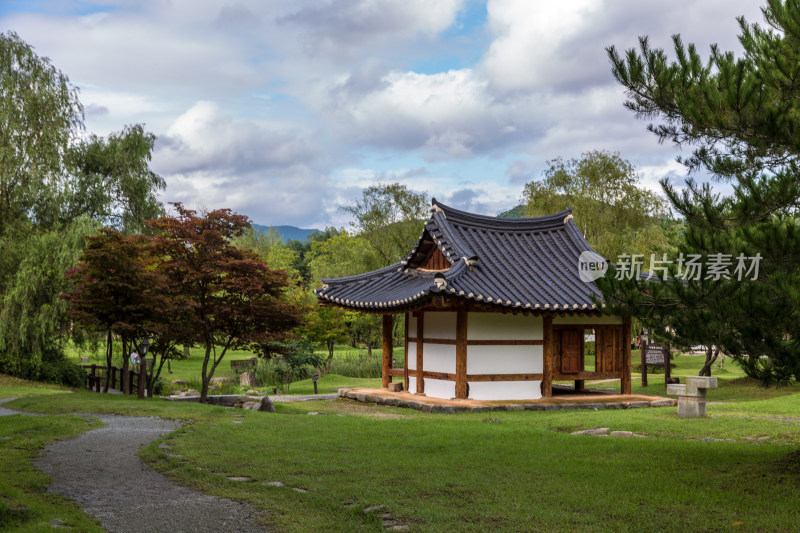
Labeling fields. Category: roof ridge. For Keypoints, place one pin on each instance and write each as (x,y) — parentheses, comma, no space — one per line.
(541,223)
(365,275)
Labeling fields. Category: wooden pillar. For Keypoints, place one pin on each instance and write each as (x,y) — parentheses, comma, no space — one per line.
(625,382)
(405,356)
(420,369)
(387,350)
(643,357)
(461,354)
(579,383)
(547,357)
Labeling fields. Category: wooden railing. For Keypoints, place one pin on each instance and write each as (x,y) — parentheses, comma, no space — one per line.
(95,378)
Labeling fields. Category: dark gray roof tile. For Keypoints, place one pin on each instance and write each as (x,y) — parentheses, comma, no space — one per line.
(529,263)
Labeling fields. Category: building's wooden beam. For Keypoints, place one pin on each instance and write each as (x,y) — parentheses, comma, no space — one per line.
(387,351)
(625,381)
(504,377)
(397,372)
(420,346)
(491,342)
(517,342)
(439,375)
(586,376)
(548,357)
(461,353)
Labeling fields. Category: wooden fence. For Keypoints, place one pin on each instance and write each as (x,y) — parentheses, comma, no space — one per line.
(95,378)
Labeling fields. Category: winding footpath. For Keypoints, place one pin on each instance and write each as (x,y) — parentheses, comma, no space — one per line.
(101,472)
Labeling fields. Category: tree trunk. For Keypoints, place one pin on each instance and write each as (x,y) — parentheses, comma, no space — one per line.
(155,373)
(205,377)
(329,360)
(126,382)
(712,352)
(109,359)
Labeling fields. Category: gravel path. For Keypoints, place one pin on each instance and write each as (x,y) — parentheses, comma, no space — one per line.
(101,472)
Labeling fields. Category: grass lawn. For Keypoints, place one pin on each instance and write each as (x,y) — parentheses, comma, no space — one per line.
(508,471)
(190,369)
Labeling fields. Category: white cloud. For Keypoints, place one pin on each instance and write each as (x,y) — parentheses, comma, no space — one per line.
(275,108)
(527,50)
(345,29)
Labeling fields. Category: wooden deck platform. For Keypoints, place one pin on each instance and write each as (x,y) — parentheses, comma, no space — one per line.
(561,399)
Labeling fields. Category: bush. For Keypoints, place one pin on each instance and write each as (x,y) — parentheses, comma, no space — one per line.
(61,371)
(53,368)
(159,387)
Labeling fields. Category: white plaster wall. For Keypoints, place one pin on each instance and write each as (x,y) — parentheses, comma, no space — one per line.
(412,325)
(438,358)
(505,390)
(504,359)
(605,319)
(438,388)
(412,355)
(439,325)
(412,384)
(499,326)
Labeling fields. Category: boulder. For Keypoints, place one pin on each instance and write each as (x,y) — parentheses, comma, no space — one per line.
(266,405)
(214,382)
(179,382)
(247,379)
(190,392)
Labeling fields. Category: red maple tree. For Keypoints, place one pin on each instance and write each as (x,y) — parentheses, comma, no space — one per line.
(229,297)
(117,291)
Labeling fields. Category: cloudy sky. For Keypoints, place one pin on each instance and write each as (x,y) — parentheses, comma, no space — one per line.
(284,110)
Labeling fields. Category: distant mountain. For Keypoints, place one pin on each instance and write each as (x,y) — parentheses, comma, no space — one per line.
(514,212)
(287,233)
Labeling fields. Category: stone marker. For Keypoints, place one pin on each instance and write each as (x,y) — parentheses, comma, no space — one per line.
(395,386)
(692,395)
(247,379)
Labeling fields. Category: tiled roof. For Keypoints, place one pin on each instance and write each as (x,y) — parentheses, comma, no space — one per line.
(525,263)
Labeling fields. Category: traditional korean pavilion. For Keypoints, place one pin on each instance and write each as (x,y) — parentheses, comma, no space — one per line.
(495,309)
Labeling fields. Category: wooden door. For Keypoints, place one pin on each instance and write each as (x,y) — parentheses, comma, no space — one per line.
(608,342)
(571,351)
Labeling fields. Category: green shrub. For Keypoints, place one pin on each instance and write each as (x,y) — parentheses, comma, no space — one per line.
(61,371)
(159,387)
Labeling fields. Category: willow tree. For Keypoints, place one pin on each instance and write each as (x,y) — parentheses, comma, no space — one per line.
(55,181)
(610,205)
(390,218)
